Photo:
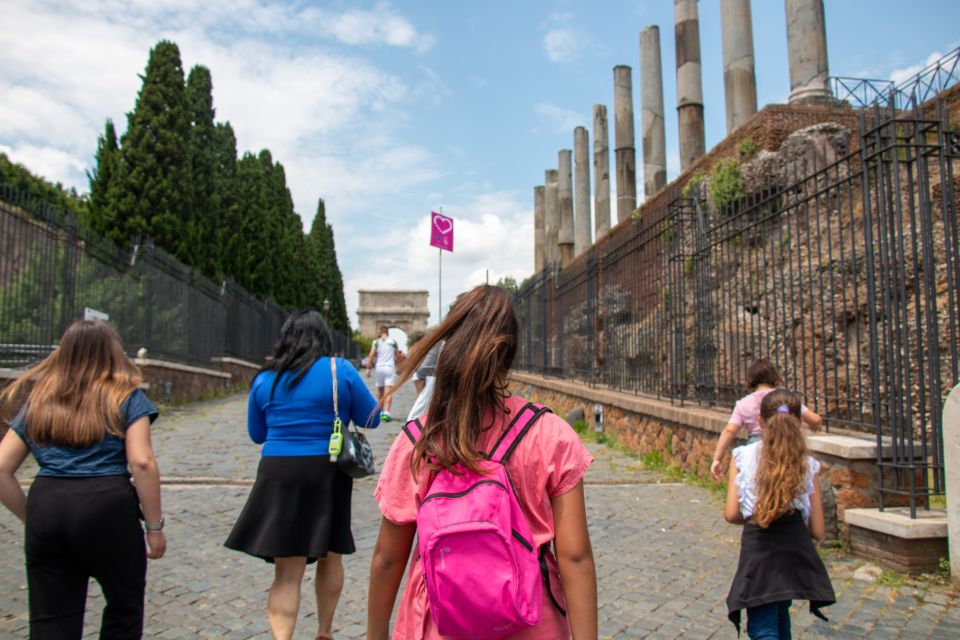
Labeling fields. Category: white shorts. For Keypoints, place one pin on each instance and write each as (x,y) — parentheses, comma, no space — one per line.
(386,375)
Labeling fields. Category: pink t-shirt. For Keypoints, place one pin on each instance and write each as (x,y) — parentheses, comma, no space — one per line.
(548,462)
(746,413)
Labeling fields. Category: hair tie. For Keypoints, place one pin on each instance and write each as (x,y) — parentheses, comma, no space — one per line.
(783,409)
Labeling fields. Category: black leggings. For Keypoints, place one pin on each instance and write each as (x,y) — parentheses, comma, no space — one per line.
(77,529)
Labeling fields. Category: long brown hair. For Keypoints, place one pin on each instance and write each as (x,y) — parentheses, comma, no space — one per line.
(481,333)
(782,470)
(78,389)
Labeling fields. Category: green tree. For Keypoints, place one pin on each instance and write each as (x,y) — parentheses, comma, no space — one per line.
(102,216)
(228,240)
(201,230)
(327,270)
(150,194)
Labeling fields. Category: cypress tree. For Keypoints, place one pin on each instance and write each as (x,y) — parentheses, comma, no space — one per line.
(228,239)
(327,270)
(201,228)
(102,214)
(151,195)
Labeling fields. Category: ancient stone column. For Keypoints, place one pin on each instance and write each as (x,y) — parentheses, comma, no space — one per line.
(581,191)
(601,171)
(739,76)
(626,154)
(689,87)
(565,198)
(651,112)
(539,229)
(551,216)
(807,51)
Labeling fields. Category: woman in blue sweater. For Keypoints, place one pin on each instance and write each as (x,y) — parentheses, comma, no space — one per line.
(298,511)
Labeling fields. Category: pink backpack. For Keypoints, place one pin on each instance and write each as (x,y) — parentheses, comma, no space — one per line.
(483,575)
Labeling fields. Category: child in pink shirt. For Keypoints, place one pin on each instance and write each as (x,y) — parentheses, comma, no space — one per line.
(467,414)
(762,378)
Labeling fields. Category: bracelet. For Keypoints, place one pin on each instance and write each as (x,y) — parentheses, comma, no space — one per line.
(153,527)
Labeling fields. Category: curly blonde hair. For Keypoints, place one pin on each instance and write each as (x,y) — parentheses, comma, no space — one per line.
(782,470)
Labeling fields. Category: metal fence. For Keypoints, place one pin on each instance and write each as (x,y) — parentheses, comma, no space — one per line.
(52,269)
(843,270)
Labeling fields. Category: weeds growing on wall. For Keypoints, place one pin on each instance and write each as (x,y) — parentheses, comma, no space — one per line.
(726,187)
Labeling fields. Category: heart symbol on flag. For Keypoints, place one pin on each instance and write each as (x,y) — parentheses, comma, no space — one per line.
(443,225)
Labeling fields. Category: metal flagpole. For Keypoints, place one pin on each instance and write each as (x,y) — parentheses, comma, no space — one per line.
(440,281)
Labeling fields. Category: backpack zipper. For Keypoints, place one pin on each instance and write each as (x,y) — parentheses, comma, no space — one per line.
(460,494)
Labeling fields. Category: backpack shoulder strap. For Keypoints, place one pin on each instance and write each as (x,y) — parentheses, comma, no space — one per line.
(518,428)
(413,429)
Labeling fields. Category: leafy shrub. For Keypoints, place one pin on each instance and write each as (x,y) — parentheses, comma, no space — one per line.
(747,149)
(726,186)
(693,183)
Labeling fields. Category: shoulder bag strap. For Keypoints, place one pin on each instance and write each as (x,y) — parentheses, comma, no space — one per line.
(333,375)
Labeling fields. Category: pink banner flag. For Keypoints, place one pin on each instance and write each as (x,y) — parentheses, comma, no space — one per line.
(441,231)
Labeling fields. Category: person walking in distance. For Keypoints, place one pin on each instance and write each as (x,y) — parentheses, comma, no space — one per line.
(87,423)
(539,566)
(384,353)
(762,378)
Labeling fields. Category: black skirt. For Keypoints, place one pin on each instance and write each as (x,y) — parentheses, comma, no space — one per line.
(776,564)
(298,506)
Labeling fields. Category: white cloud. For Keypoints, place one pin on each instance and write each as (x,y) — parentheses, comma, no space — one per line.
(905,73)
(49,162)
(378,25)
(560,120)
(564,42)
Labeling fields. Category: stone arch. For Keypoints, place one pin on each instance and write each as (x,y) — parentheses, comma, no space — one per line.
(404,309)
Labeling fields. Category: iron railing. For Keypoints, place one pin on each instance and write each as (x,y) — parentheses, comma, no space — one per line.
(925,85)
(843,269)
(52,269)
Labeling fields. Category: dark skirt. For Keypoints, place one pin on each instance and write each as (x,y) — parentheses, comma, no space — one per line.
(778,563)
(298,506)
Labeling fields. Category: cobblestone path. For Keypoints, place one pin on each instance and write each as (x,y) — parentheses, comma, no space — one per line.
(664,554)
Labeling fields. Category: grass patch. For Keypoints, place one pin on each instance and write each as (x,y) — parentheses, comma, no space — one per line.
(937,578)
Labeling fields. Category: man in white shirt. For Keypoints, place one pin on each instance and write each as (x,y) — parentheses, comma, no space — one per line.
(384,353)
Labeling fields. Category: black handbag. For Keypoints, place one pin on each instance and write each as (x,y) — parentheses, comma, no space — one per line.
(356,455)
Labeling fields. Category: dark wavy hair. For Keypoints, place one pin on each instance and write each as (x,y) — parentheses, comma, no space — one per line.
(304,339)
(481,333)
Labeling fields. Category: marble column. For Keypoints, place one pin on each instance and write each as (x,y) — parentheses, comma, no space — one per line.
(739,75)
(689,86)
(539,229)
(807,51)
(581,191)
(651,112)
(551,216)
(601,171)
(624,150)
(565,200)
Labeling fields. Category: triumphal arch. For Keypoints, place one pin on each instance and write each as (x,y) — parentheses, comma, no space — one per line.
(404,309)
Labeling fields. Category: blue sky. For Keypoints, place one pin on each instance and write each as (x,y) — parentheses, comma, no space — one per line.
(388,110)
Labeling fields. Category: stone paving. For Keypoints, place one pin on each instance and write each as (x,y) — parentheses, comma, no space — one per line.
(664,554)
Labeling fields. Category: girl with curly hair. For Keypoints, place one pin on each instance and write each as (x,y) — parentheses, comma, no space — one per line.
(773,492)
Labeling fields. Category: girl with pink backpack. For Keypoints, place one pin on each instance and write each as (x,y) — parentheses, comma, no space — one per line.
(491,486)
